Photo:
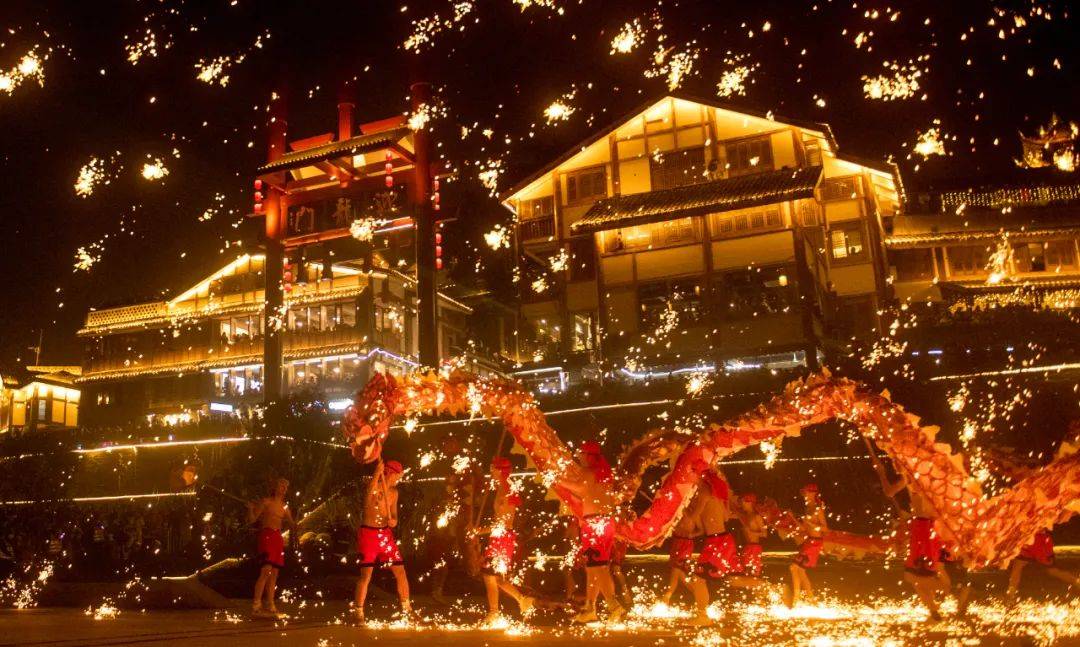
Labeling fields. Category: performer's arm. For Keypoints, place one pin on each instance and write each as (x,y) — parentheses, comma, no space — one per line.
(255,510)
(393,509)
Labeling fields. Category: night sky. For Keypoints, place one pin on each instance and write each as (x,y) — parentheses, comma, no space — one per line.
(986,76)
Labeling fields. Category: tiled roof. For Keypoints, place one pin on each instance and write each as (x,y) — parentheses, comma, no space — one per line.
(907,241)
(351,146)
(982,287)
(698,199)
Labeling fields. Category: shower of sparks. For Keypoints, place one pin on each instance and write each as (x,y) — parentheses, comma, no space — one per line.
(540,285)
(426,29)
(628,38)
(154,170)
(560,262)
(106,611)
(29,68)
(733,81)
(498,238)
(363,229)
(930,143)
(900,82)
(91,175)
(214,70)
(545,4)
(86,257)
(557,111)
(422,116)
(489,174)
(1065,160)
(145,47)
(674,66)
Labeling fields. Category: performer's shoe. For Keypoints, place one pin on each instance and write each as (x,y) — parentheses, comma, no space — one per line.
(360,619)
(617,613)
(700,620)
(490,619)
(586,616)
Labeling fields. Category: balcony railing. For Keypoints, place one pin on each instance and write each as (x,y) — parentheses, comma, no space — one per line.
(537,228)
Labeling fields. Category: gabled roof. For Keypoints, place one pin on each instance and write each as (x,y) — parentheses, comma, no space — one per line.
(698,199)
(819,127)
(350,147)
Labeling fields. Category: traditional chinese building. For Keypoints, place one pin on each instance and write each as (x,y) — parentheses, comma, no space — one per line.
(46,399)
(756,231)
(981,247)
(201,352)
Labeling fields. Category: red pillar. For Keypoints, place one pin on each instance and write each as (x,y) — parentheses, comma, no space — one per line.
(274,297)
(425,235)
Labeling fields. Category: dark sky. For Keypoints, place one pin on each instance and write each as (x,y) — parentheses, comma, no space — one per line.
(497,68)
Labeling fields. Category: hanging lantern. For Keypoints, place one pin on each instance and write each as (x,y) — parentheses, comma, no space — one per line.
(389,169)
(259,197)
(435,194)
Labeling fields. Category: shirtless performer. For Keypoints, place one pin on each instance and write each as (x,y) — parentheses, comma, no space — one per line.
(813,522)
(681,554)
(375,539)
(500,552)
(923,567)
(1040,552)
(453,543)
(270,514)
(597,532)
(719,559)
(753,529)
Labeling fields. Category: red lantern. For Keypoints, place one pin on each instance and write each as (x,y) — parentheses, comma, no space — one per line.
(259,207)
(389,169)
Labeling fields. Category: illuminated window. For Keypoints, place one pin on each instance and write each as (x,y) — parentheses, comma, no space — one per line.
(1051,256)
(538,208)
(755,292)
(584,325)
(969,260)
(840,188)
(672,232)
(913,264)
(749,156)
(682,296)
(677,168)
(589,184)
(846,244)
(739,223)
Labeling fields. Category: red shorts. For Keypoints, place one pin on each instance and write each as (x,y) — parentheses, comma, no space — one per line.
(377,546)
(719,556)
(681,554)
(597,539)
(750,560)
(1040,550)
(809,552)
(271,548)
(924,547)
(499,553)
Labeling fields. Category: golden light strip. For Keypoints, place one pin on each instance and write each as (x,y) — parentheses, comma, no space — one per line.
(98,499)
(166,443)
(1009,371)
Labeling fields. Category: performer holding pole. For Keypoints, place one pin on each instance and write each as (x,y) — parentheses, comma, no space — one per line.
(500,553)
(681,554)
(375,539)
(1040,552)
(270,513)
(753,529)
(597,531)
(814,524)
(923,567)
